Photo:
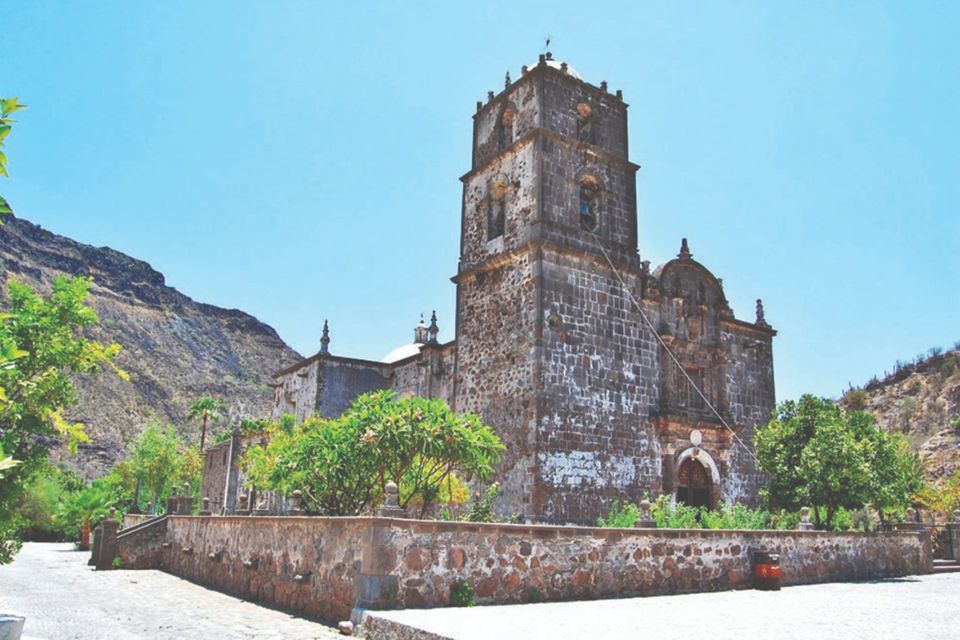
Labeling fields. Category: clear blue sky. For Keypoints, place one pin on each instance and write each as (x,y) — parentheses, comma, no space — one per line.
(300,161)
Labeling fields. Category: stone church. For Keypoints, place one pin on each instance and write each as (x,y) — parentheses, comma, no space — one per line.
(564,335)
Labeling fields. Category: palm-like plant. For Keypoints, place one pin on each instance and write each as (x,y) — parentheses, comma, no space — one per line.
(205,409)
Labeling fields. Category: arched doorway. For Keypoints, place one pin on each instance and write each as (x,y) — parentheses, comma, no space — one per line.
(694,484)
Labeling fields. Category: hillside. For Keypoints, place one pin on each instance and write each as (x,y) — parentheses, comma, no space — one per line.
(920,399)
(174,349)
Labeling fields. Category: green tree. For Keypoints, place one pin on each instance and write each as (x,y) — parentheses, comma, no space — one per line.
(154,459)
(94,501)
(205,409)
(46,336)
(8,106)
(819,455)
(342,466)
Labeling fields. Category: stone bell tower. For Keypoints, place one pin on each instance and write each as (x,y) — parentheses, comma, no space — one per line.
(547,351)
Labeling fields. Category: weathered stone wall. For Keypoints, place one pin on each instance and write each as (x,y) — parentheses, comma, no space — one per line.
(428,374)
(599,385)
(216,468)
(325,384)
(496,361)
(141,546)
(324,567)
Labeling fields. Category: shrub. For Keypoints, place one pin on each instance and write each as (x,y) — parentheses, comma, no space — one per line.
(461,594)
(621,516)
(482,508)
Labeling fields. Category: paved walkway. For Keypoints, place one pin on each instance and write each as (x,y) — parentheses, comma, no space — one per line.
(63,599)
(915,607)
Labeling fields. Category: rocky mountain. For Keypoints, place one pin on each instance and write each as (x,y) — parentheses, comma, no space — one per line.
(920,399)
(175,349)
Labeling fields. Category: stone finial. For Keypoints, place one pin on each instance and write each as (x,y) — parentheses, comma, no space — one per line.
(489,96)
(805,524)
(433,329)
(186,488)
(549,56)
(173,491)
(761,318)
(205,508)
(619,94)
(603,86)
(645,266)
(325,338)
(243,501)
(391,505)
(420,332)
(563,67)
(956,516)
(542,60)
(479,105)
(911,515)
(684,250)
(645,521)
(113,513)
(506,81)
(523,70)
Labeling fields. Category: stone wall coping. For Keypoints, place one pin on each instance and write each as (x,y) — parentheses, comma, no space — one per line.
(539,530)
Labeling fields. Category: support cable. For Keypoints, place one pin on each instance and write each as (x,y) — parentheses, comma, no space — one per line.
(666,348)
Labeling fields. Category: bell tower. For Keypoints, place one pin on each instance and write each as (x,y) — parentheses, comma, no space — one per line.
(542,322)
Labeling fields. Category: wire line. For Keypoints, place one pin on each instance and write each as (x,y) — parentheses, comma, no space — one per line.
(666,348)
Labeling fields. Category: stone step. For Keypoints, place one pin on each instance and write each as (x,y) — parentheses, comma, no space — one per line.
(946,566)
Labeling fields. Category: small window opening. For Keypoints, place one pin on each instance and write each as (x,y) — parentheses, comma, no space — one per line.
(505,129)
(497,216)
(589,204)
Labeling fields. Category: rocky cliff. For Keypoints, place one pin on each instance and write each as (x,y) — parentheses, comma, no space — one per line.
(175,349)
(920,399)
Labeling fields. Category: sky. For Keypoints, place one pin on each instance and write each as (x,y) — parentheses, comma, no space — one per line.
(300,160)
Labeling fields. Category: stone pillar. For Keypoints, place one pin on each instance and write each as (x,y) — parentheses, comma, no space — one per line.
(645,521)
(107,547)
(205,508)
(185,504)
(805,524)
(173,502)
(376,587)
(296,503)
(232,488)
(95,545)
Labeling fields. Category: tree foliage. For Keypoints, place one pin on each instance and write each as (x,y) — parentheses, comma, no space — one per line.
(343,465)
(8,106)
(161,460)
(205,409)
(41,344)
(820,455)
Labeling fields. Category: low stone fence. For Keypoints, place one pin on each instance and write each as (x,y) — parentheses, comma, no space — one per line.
(327,567)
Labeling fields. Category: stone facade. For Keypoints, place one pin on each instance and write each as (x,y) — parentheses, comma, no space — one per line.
(327,567)
(585,360)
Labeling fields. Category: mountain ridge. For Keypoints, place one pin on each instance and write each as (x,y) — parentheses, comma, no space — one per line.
(174,348)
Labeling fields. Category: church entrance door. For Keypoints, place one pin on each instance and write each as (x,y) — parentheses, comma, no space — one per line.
(693,486)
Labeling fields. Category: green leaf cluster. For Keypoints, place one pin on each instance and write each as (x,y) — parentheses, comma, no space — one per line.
(8,106)
(342,465)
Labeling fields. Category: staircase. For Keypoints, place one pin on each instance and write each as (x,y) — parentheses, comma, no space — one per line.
(946,566)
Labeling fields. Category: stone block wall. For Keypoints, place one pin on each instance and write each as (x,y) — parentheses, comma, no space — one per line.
(326,567)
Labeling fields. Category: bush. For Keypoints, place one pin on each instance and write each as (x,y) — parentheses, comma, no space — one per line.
(461,594)
(342,466)
(622,516)
(482,508)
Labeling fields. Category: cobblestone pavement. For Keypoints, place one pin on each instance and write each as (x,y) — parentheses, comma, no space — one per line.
(63,599)
(913,607)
